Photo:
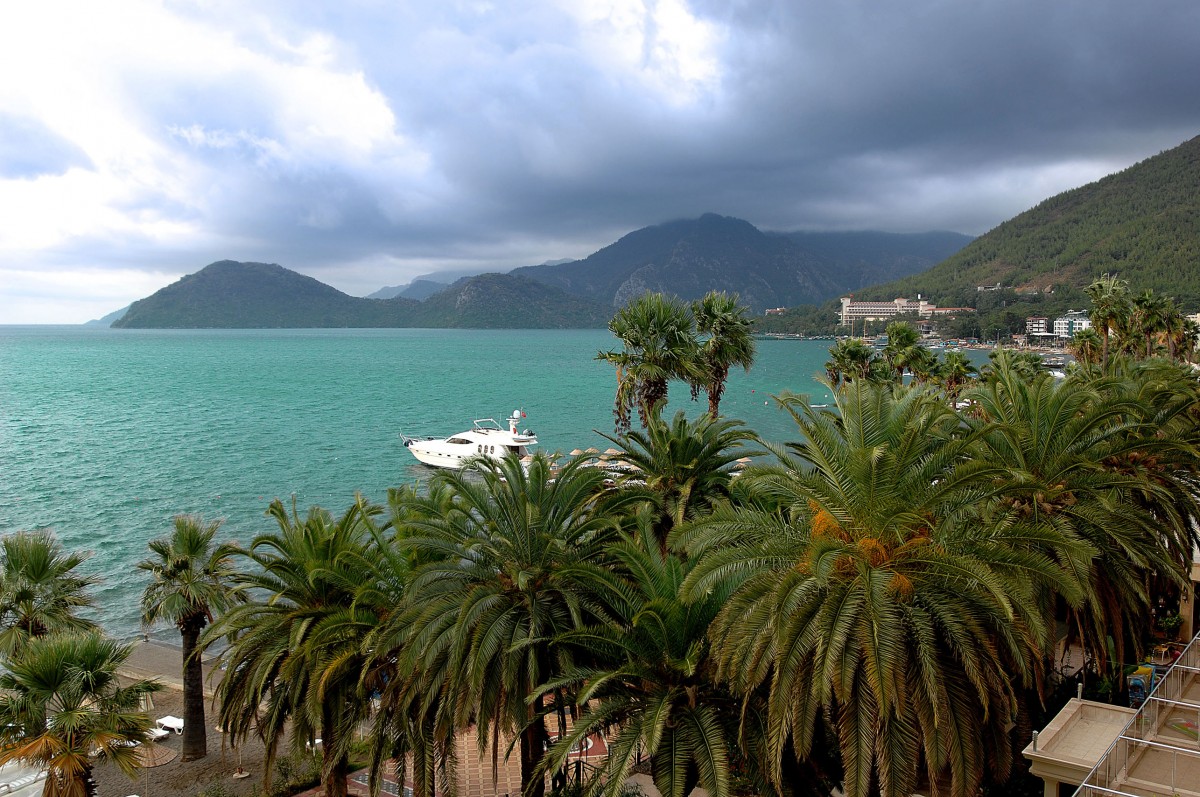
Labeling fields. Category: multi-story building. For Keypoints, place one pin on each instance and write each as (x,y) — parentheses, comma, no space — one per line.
(1037,325)
(1065,326)
(874,311)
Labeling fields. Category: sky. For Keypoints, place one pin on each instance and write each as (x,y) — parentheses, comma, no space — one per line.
(367,142)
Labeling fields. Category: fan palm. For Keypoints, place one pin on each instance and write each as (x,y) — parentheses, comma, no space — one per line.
(659,344)
(870,590)
(295,651)
(512,565)
(1148,318)
(62,707)
(723,319)
(190,579)
(40,591)
(1086,345)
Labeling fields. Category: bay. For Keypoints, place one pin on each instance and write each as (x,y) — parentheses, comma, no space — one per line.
(105,434)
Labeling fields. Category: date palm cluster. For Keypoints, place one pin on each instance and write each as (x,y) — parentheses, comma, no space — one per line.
(875,606)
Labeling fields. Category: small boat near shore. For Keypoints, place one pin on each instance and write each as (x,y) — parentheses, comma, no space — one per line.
(485,438)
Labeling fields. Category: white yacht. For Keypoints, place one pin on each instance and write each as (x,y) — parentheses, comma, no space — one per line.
(486,438)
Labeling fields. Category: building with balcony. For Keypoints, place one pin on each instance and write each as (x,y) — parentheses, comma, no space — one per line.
(1065,326)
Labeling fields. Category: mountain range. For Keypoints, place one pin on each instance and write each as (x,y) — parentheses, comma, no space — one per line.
(687,258)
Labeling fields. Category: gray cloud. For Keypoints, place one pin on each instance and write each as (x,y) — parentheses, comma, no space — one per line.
(519,133)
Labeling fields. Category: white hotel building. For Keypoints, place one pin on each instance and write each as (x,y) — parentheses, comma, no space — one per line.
(874,311)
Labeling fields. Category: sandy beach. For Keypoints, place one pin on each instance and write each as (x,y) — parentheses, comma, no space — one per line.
(162,662)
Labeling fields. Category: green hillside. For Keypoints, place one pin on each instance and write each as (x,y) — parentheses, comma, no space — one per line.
(233,295)
(1141,224)
(505,301)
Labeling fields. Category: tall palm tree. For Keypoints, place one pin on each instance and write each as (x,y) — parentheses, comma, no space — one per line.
(683,468)
(1184,339)
(295,651)
(1110,309)
(41,591)
(1172,326)
(63,708)
(410,724)
(869,589)
(729,343)
(512,565)
(658,337)
(190,579)
(1148,318)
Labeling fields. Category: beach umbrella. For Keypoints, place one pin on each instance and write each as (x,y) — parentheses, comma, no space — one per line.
(742,462)
(153,754)
(576,452)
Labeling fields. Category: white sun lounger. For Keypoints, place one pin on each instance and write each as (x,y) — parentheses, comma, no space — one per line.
(170,723)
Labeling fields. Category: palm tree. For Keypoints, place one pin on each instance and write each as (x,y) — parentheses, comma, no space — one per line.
(955,372)
(411,723)
(1148,317)
(511,566)
(189,581)
(40,590)
(723,319)
(650,675)
(1110,309)
(869,589)
(1184,339)
(62,707)
(1086,346)
(903,347)
(1172,326)
(295,652)
(1099,464)
(683,468)
(849,359)
(659,344)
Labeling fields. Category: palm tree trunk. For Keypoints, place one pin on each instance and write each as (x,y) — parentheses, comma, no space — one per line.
(334,767)
(533,747)
(195,736)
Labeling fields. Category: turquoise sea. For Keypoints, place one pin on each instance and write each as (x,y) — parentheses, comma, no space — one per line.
(106,434)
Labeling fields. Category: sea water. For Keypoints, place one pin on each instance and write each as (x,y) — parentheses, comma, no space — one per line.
(106,434)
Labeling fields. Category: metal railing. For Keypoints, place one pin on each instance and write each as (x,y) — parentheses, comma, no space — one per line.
(1158,750)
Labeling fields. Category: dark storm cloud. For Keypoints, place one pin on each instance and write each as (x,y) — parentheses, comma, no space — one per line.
(369,143)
